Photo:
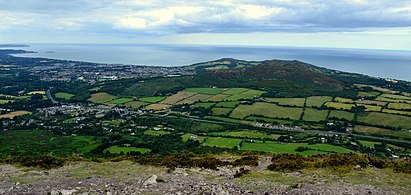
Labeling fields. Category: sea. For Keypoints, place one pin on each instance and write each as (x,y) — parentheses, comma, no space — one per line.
(394,64)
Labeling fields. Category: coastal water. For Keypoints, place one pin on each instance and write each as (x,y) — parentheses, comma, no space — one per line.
(379,63)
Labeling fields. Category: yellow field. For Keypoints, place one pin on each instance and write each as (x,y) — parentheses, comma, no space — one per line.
(337,105)
(157,107)
(177,97)
(397,112)
(11,115)
(399,106)
(372,102)
(217,98)
(36,92)
(343,100)
(371,107)
(194,98)
(267,110)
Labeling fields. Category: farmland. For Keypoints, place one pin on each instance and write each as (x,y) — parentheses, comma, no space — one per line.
(367,130)
(63,95)
(120,101)
(227,104)
(311,114)
(290,148)
(135,104)
(246,134)
(399,106)
(221,111)
(102,97)
(208,91)
(317,101)
(190,136)
(383,119)
(11,115)
(339,114)
(288,101)
(152,99)
(177,97)
(339,106)
(266,109)
(222,142)
(203,105)
(125,150)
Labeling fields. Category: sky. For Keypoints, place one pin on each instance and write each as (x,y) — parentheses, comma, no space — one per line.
(370,24)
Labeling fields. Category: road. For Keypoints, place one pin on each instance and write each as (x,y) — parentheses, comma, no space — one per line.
(51,97)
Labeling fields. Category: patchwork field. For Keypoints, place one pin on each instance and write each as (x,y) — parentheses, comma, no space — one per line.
(315,115)
(209,91)
(385,119)
(6,101)
(371,107)
(177,97)
(101,97)
(317,101)
(152,99)
(288,101)
(156,133)
(408,113)
(217,98)
(227,104)
(125,150)
(343,100)
(221,111)
(120,101)
(249,94)
(290,148)
(135,104)
(372,102)
(399,106)
(203,105)
(11,115)
(63,95)
(382,132)
(395,97)
(233,91)
(157,107)
(246,134)
(194,98)
(222,142)
(368,94)
(268,110)
(339,114)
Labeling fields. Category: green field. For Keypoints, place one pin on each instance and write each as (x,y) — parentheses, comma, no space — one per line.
(317,101)
(368,94)
(391,120)
(125,150)
(222,142)
(368,143)
(249,94)
(267,110)
(156,133)
(135,104)
(408,113)
(399,106)
(371,107)
(339,114)
(396,97)
(288,101)
(343,100)
(6,101)
(203,105)
(217,98)
(246,134)
(227,104)
(339,106)
(62,95)
(188,136)
(152,99)
(102,97)
(290,148)
(233,91)
(221,111)
(315,115)
(382,132)
(208,91)
(120,101)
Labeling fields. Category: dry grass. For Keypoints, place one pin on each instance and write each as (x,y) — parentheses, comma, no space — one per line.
(11,115)
(177,97)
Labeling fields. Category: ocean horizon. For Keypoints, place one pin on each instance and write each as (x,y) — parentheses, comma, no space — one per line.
(393,64)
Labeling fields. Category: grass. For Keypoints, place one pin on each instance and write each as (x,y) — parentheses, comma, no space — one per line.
(246,134)
(63,95)
(290,148)
(227,104)
(339,106)
(157,107)
(343,100)
(36,92)
(217,98)
(382,132)
(288,101)
(208,91)
(135,104)
(38,142)
(339,114)
(6,101)
(203,105)
(222,142)
(269,120)
(267,110)
(384,119)
(368,94)
(233,91)
(395,97)
(120,101)
(315,115)
(152,99)
(221,111)
(372,102)
(188,136)
(368,143)
(399,106)
(125,150)
(371,107)
(317,101)
(408,113)
(177,97)
(156,133)
(11,115)
(194,98)
(384,99)
(249,94)
(102,97)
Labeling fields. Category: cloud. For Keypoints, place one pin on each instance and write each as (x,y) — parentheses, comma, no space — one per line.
(159,17)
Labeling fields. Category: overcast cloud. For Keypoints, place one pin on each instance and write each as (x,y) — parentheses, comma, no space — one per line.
(131,19)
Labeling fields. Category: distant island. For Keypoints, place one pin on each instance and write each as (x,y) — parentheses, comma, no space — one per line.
(14,45)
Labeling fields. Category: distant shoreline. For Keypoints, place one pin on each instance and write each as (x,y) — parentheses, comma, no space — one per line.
(14,45)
